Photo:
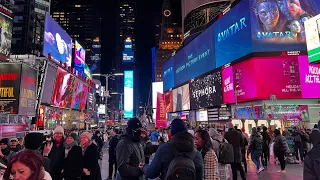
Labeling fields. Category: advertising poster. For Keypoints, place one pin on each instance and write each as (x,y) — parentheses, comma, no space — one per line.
(206,91)
(63,90)
(11,130)
(309,78)
(10,88)
(195,59)
(168,99)
(128,94)
(128,56)
(244,81)
(49,84)
(227,85)
(185,97)
(255,112)
(79,57)
(57,42)
(28,89)
(312,30)
(232,34)
(40,121)
(168,74)
(280,75)
(161,120)
(202,116)
(6,35)
(83,96)
(76,99)
(87,72)
(177,99)
(280,27)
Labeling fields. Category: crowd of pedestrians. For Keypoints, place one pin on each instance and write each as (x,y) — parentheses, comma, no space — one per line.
(136,153)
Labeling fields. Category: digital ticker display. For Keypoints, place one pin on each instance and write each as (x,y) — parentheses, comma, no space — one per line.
(128,94)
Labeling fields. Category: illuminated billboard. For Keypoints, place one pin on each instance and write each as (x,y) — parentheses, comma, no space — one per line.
(128,94)
(79,57)
(128,56)
(313,38)
(6,34)
(57,42)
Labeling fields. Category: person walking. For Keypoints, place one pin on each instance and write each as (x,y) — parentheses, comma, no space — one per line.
(235,138)
(265,147)
(90,157)
(298,145)
(56,154)
(255,149)
(73,163)
(129,152)
(311,163)
(243,151)
(280,147)
(112,155)
(181,142)
(26,165)
(216,138)
(203,143)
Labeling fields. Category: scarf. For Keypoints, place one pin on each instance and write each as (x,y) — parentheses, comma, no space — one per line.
(58,143)
(84,147)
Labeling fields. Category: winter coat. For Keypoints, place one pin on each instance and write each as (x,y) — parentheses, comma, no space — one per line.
(129,155)
(312,163)
(266,140)
(90,161)
(56,157)
(210,166)
(235,138)
(314,136)
(280,144)
(112,148)
(253,146)
(216,138)
(73,164)
(183,142)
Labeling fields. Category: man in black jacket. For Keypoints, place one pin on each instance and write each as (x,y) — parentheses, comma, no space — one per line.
(56,154)
(235,138)
(130,153)
(112,154)
(265,147)
(184,143)
(312,160)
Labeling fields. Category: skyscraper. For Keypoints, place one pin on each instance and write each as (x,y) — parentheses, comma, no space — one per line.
(170,38)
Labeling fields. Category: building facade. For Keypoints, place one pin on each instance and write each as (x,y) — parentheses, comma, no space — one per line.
(170,39)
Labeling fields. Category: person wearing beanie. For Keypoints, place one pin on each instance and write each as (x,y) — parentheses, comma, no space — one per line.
(90,157)
(181,141)
(73,163)
(5,154)
(57,153)
(129,152)
(236,139)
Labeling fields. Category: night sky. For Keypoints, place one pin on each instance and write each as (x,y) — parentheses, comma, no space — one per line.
(149,14)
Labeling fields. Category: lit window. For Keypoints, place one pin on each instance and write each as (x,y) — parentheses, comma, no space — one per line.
(77,6)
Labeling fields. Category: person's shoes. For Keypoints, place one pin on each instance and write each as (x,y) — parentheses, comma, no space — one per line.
(260,170)
(281,171)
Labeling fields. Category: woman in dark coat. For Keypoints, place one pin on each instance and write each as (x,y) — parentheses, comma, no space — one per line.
(73,164)
(90,155)
(280,147)
(56,154)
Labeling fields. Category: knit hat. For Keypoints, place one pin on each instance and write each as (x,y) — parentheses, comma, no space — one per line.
(58,129)
(134,123)
(33,140)
(4,141)
(14,139)
(177,126)
(74,136)
(87,134)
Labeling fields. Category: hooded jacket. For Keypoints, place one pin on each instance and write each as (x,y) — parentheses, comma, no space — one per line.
(280,144)
(129,154)
(183,142)
(312,163)
(235,138)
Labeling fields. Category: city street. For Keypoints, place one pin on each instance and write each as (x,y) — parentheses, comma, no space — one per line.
(294,171)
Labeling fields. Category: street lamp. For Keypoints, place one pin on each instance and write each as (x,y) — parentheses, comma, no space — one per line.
(107,76)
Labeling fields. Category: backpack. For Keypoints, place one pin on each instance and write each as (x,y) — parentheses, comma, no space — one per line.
(181,166)
(297,138)
(226,155)
(258,143)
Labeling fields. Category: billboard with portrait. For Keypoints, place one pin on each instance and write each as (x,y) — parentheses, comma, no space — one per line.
(49,83)
(63,90)
(28,89)
(10,75)
(168,99)
(278,25)
(57,42)
(128,94)
(205,91)
(76,99)
(232,34)
(185,97)
(195,59)
(79,57)
(83,96)
(6,35)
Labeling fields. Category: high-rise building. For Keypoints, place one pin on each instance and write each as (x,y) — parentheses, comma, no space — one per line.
(170,38)
(80,20)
